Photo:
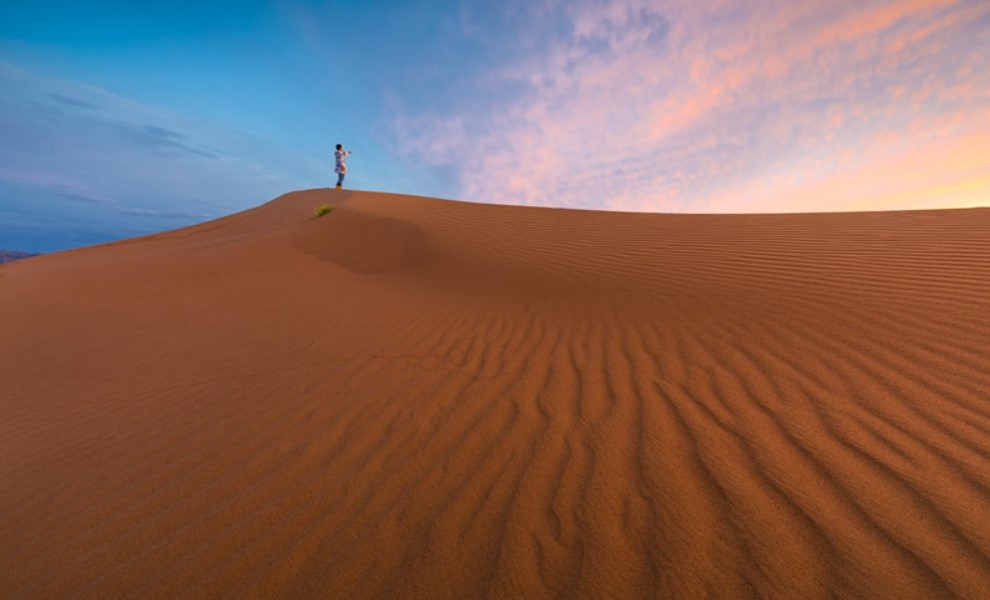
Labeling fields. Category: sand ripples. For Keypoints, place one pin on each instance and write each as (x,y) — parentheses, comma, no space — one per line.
(416,398)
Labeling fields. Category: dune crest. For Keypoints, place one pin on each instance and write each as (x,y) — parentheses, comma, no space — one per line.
(417,398)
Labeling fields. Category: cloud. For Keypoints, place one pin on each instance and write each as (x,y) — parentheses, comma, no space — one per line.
(160,141)
(9,70)
(111,163)
(71,101)
(58,184)
(167,214)
(82,142)
(685,106)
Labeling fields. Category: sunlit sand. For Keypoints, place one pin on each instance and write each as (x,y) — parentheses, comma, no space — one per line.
(416,398)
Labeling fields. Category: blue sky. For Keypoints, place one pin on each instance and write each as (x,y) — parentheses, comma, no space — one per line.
(123,118)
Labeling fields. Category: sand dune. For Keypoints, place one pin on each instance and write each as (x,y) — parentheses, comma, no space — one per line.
(415,398)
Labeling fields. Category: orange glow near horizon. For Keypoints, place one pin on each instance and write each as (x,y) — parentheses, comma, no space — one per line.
(953,173)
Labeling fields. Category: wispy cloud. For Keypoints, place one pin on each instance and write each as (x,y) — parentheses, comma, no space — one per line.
(71,101)
(722,106)
(161,141)
(167,214)
(80,142)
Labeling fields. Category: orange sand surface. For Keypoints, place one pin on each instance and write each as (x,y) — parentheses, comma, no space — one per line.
(417,398)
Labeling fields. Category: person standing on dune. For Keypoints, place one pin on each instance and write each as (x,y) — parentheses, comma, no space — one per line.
(341,157)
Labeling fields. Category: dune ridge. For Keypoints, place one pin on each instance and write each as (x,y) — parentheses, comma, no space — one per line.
(417,398)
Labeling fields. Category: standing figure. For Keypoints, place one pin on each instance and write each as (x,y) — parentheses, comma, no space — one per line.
(341,156)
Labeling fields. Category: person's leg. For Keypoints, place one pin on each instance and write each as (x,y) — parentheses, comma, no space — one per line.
(340,179)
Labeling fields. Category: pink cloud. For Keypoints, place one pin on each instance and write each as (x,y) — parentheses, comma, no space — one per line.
(722,106)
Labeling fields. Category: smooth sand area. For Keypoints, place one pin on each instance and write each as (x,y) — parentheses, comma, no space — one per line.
(417,398)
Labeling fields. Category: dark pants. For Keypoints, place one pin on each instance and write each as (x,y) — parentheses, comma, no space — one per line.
(340,179)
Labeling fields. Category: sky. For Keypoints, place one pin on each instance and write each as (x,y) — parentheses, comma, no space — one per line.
(121,118)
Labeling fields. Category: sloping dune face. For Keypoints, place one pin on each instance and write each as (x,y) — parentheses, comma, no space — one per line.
(414,398)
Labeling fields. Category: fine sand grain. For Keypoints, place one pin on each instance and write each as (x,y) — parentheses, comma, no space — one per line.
(416,398)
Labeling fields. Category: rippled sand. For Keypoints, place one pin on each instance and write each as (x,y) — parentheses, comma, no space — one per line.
(416,398)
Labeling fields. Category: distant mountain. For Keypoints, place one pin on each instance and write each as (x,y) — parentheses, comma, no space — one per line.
(7,256)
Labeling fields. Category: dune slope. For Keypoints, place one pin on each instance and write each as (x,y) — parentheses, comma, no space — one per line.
(415,398)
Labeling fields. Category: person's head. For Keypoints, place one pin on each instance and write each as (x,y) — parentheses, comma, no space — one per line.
(340,146)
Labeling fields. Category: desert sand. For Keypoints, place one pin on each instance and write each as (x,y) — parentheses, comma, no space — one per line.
(418,398)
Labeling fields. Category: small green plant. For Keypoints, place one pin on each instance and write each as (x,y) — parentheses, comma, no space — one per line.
(321,210)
